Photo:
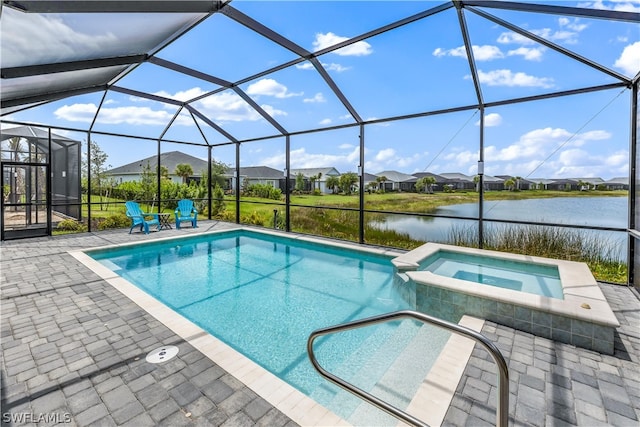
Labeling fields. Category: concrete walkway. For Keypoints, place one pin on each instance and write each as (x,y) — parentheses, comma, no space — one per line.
(73,353)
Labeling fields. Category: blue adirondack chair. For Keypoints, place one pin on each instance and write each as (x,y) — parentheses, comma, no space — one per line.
(186,212)
(140,218)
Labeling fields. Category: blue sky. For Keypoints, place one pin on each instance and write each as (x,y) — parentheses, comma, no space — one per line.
(418,67)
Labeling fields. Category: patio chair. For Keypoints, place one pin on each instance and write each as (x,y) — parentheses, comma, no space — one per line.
(186,212)
(140,218)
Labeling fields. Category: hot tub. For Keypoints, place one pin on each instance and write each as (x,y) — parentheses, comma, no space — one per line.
(579,314)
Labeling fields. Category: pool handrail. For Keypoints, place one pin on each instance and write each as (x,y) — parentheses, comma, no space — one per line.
(502,408)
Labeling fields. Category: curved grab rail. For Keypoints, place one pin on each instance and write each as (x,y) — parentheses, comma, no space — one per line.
(502,408)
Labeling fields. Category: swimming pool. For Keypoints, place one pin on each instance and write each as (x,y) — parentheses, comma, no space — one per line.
(263,295)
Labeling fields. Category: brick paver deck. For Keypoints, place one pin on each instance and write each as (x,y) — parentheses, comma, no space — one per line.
(73,353)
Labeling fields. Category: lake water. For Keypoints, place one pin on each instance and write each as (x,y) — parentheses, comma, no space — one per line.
(593,211)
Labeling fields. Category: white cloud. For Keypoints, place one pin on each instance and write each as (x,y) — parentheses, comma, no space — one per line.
(323,41)
(335,67)
(270,87)
(132,115)
(273,112)
(629,60)
(305,66)
(300,158)
(325,122)
(226,106)
(531,151)
(183,95)
(480,53)
(508,78)
(530,54)
(219,107)
(572,24)
(386,154)
(491,119)
(388,158)
(618,5)
(318,97)
(514,38)
(328,66)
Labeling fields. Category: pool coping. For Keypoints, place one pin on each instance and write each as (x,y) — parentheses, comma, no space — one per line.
(430,402)
(583,298)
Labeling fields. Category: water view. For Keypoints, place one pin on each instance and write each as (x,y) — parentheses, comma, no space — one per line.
(593,211)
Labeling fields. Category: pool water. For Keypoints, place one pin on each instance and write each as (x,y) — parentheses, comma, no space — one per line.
(263,295)
(539,279)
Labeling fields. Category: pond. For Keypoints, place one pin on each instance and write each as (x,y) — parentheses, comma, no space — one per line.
(593,211)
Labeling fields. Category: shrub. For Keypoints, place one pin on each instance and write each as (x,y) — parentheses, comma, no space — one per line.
(114,221)
(264,191)
(253,219)
(71,225)
(217,204)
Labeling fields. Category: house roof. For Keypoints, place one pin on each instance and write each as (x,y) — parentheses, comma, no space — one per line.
(395,176)
(489,178)
(456,176)
(258,172)
(369,177)
(308,172)
(522,180)
(418,175)
(592,180)
(169,160)
(618,180)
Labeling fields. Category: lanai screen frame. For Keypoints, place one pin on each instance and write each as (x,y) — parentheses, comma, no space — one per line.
(207,8)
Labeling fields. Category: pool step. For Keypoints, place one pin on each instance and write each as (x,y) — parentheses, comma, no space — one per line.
(401,381)
(401,362)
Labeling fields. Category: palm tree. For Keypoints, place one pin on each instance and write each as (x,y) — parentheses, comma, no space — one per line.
(476,181)
(429,181)
(348,180)
(381,180)
(333,182)
(184,170)
(518,178)
(510,184)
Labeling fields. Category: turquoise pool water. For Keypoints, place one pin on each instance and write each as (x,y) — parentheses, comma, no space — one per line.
(527,277)
(263,295)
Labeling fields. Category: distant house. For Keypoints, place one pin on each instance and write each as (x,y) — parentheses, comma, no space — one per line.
(591,183)
(252,175)
(393,180)
(321,175)
(458,181)
(410,184)
(563,185)
(619,183)
(369,180)
(492,183)
(133,171)
(521,184)
(541,183)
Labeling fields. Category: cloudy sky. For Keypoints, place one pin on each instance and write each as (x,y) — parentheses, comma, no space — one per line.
(416,68)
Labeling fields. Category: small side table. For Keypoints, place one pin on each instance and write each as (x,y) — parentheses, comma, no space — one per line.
(164,220)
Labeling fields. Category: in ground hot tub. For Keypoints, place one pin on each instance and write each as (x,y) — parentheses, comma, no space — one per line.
(554,299)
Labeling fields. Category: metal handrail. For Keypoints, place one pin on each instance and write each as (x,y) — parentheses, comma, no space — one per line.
(502,409)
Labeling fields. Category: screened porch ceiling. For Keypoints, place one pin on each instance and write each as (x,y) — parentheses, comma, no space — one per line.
(91,55)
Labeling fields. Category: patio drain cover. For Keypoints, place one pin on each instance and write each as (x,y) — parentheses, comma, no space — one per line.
(162,354)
